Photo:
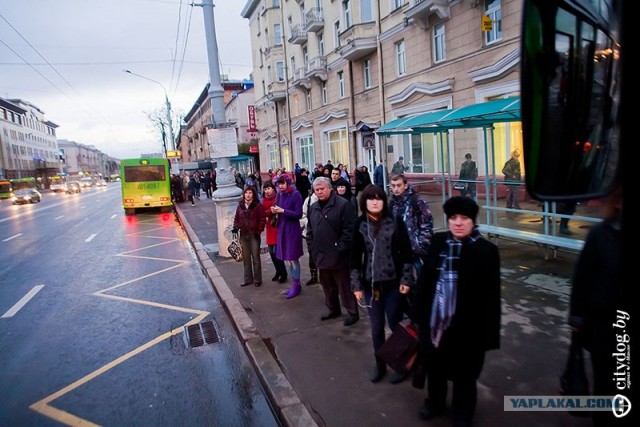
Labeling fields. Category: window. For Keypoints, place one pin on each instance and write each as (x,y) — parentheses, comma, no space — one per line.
(439,47)
(324,93)
(366,11)
(396,4)
(336,34)
(308,97)
(273,155)
(293,64)
(277,34)
(346,6)
(321,44)
(401,65)
(305,55)
(337,146)
(423,153)
(276,3)
(268,75)
(280,71)
(492,10)
(305,152)
(366,66)
(341,84)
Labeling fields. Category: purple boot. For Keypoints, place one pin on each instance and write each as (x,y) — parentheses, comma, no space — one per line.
(295,289)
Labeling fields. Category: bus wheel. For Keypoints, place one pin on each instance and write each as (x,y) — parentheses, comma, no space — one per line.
(129,211)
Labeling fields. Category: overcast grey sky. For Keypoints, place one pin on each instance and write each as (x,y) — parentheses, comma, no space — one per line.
(67,57)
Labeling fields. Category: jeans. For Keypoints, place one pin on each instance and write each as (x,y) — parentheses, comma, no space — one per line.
(390,304)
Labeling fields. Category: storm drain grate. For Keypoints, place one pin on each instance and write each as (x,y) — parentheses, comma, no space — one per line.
(201,333)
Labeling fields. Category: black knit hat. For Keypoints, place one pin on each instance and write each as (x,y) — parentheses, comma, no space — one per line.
(461,205)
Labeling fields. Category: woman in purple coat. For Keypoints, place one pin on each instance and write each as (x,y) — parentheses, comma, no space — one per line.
(288,206)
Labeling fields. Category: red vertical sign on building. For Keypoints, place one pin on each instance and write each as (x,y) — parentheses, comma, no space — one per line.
(251,111)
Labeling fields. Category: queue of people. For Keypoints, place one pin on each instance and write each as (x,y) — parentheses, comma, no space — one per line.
(388,261)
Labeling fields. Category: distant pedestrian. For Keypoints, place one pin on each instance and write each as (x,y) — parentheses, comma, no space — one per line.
(362,179)
(378,175)
(289,247)
(457,309)
(381,269)
(250,219)
(329,234)
(468,176)
(399,167)
(269,197)
(512,177)
(192,188)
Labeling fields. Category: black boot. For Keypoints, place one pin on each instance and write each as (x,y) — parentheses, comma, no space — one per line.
(378,371)
(314,277)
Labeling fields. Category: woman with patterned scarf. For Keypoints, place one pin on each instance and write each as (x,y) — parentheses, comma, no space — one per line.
(381,269)
(457,309)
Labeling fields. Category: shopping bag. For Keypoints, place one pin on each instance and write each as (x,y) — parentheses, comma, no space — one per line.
(235,249)
(400,350)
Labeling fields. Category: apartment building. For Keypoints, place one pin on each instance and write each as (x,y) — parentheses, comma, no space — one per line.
(86,160)
(329,73)
(193,142)
(28,144)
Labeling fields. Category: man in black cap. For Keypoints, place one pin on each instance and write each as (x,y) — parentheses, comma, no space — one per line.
(457,309)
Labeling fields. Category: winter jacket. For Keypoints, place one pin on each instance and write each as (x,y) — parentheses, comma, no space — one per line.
(329,232)
(250,219)
(272,232)
(416,215)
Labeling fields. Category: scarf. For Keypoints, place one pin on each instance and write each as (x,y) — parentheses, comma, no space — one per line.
(444,300)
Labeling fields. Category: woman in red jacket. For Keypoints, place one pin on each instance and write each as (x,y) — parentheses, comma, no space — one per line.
(250,220)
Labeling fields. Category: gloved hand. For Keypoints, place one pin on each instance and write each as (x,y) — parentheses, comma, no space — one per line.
(234,230)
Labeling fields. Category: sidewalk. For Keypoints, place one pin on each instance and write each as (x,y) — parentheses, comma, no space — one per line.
(316,373)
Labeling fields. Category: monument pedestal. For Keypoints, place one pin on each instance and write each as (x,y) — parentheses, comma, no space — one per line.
(226,199)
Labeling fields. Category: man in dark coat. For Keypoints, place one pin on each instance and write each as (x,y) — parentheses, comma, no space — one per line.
(329,233)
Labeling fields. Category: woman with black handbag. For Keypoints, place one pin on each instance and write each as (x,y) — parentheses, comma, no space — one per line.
(381,270)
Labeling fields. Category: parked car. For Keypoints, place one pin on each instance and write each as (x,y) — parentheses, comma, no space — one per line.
(26,195)
(73,187)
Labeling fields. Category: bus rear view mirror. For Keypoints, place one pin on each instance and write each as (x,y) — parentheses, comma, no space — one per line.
(570,90)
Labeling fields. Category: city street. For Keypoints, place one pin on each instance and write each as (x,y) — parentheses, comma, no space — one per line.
(93,310)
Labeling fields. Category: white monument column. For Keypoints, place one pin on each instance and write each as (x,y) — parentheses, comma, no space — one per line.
(223,142)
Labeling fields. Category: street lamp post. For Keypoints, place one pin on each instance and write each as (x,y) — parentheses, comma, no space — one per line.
(166,100)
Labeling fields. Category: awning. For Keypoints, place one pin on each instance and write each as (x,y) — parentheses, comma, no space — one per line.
(470,116)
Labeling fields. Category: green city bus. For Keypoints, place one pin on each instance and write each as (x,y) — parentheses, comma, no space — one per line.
(146,183)
(6,191)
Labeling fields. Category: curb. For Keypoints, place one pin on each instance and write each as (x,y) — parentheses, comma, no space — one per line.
(284,399)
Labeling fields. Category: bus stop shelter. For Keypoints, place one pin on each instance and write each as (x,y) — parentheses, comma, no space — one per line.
(484,116)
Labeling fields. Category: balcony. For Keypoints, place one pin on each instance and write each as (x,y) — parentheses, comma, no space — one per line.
(298,34)
(300,78)
(357,41)
(421,10)
(314,20)
(317,68)
(276,91)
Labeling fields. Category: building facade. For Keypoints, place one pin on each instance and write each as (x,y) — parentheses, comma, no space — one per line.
(193,142)
(328,73)
(28,144)
(86,160)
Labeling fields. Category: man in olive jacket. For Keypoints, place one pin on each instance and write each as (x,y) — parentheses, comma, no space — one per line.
(329,232)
